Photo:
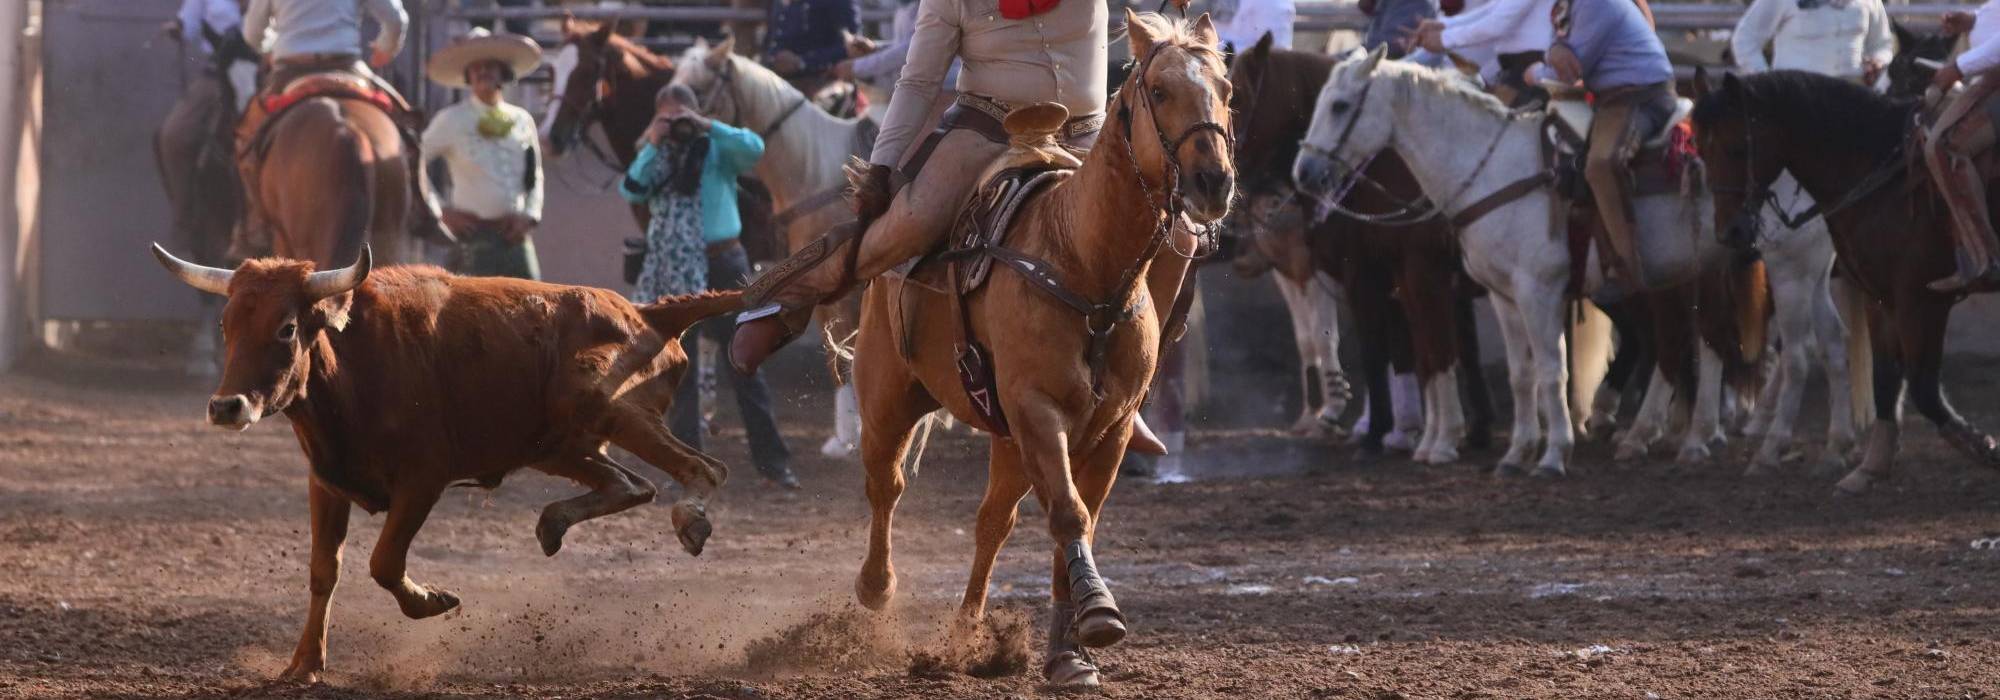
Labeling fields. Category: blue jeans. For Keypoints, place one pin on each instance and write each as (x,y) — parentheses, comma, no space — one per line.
(729,269)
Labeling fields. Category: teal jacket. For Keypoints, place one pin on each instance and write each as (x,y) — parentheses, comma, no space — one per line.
(731,153)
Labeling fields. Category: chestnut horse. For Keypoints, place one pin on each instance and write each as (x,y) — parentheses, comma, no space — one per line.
(336,176)
(1848,147)
(1164,152)
(1385,268)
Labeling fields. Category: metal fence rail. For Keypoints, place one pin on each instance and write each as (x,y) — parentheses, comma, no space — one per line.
(1312,16)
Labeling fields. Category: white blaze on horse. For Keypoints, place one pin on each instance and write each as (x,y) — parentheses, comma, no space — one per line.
(805,151)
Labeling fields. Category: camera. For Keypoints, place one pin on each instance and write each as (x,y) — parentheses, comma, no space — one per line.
(682,130)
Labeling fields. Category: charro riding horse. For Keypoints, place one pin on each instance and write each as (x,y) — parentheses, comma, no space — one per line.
(332,170)
(1382,264)
(1073,327)
(1850,148)
(192,149)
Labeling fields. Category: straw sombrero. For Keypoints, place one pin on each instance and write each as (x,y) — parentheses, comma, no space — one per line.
(447,66)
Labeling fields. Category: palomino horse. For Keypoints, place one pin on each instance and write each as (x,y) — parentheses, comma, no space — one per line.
(1847,146)
(1382,264)
(1514,249)
(193,149)
(612,84)
(805,152)
(335,177)
(1164,150)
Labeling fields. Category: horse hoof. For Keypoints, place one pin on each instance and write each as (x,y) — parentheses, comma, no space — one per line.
(1444,455)
(1400,441)
(1628,452)
(875,593)
(1760,469)
(549,531)
(1830,465)
(1692,455)
(1855,483)
(1506,470)
(434,602)
(1071,670)
(1099,627)
(303,672)
(1549,471)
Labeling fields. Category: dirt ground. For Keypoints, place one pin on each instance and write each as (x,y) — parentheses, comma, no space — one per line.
(143,554)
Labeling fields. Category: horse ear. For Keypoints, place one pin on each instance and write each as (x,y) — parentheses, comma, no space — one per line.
(1735,89)
(1375,58)
(721,50)
(1263,47)
(1140,35)
(1204,32)
(1701,84)
(1904,37)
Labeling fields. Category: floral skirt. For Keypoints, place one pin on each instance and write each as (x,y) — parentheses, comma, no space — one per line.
(676,259)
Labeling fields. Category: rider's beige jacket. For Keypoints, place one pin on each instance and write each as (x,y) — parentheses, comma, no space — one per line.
(1057,56)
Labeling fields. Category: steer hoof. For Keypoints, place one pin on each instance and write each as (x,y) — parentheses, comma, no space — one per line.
(1071,670)
(550,531)
(691,526)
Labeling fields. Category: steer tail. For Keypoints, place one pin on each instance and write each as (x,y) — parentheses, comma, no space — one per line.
(1852,304)
(672,316)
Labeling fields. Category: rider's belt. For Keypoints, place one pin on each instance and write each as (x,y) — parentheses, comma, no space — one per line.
(1628,93)
(317,59)
(983,116)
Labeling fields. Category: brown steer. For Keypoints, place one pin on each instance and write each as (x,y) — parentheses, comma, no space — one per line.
(401,383)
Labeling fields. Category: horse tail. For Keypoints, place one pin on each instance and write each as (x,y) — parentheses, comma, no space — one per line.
(1852,304)
(355,153)
(1590,349)
(1733,306)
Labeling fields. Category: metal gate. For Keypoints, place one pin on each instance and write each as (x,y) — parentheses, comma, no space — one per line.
(109,77)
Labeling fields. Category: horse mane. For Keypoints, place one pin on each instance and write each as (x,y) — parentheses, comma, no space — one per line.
(1821,109)
(762,89)
(1408,77)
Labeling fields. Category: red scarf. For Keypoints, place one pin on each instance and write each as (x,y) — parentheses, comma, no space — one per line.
(1023,9)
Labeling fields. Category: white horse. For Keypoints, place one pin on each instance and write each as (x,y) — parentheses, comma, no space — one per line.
(1812,320)
(1462,145)
(805,150)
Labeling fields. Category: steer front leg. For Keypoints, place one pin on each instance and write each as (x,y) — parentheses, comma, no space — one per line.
(329,533)
(388,565)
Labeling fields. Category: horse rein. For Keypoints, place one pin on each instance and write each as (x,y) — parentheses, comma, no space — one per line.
(725,80)
(1893,165)
(1407,212)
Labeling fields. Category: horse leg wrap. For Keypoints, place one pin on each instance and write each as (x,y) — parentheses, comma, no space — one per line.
(1064,663)
(1097,622)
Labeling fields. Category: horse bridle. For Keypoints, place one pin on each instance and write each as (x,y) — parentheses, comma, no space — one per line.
(1408,212)
(1758,197)
(725,83)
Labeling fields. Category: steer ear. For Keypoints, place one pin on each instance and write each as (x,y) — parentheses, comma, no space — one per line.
(213,280)
(332,312)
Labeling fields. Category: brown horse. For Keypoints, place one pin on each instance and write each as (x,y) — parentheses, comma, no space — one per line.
(335,176)
(1848,147)
(1392,273)
(1098,234)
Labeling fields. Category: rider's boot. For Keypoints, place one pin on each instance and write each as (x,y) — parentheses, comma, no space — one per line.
(781,300)
(1964,190)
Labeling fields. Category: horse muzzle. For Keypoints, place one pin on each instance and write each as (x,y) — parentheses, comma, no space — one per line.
(1314,174)
(1208,199)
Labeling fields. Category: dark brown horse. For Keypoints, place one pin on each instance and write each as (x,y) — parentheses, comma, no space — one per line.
(193,150)
(1849,148)
(1391,273)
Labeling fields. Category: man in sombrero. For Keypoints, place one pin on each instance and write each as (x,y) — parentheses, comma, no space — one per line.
(491,151)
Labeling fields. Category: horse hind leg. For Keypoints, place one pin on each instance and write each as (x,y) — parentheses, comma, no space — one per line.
(889,421)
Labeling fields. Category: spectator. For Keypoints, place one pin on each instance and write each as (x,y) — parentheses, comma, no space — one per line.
(1246,22)
(1393,23)
(686,174)
(492,152)
(1842,38)
(806,38)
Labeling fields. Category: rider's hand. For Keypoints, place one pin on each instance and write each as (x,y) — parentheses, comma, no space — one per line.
(787,63)
(517,227)
(843,70)
(657,130)
(1871,69)
(1947,76)
(1956,23)
(871,199)
(1430,36)
(380,59)
(1568,69)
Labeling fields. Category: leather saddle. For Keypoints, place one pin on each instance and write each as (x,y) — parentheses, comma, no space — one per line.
(1655,169)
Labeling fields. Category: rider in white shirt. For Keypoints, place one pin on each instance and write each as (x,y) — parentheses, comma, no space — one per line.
(1842,38)
(1490,31)
(1241,28)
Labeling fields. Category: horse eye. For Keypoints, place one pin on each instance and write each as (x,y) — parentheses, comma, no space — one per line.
(1159,95)
(1338,107)
(288,331)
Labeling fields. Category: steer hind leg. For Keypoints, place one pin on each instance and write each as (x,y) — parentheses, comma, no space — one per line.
(644,435)
(329,533)
(389,563)
(613,488)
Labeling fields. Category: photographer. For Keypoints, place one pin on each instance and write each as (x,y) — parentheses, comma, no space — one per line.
(686,176)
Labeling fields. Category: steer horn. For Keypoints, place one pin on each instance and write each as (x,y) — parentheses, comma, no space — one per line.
(320,285)
(213,280)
